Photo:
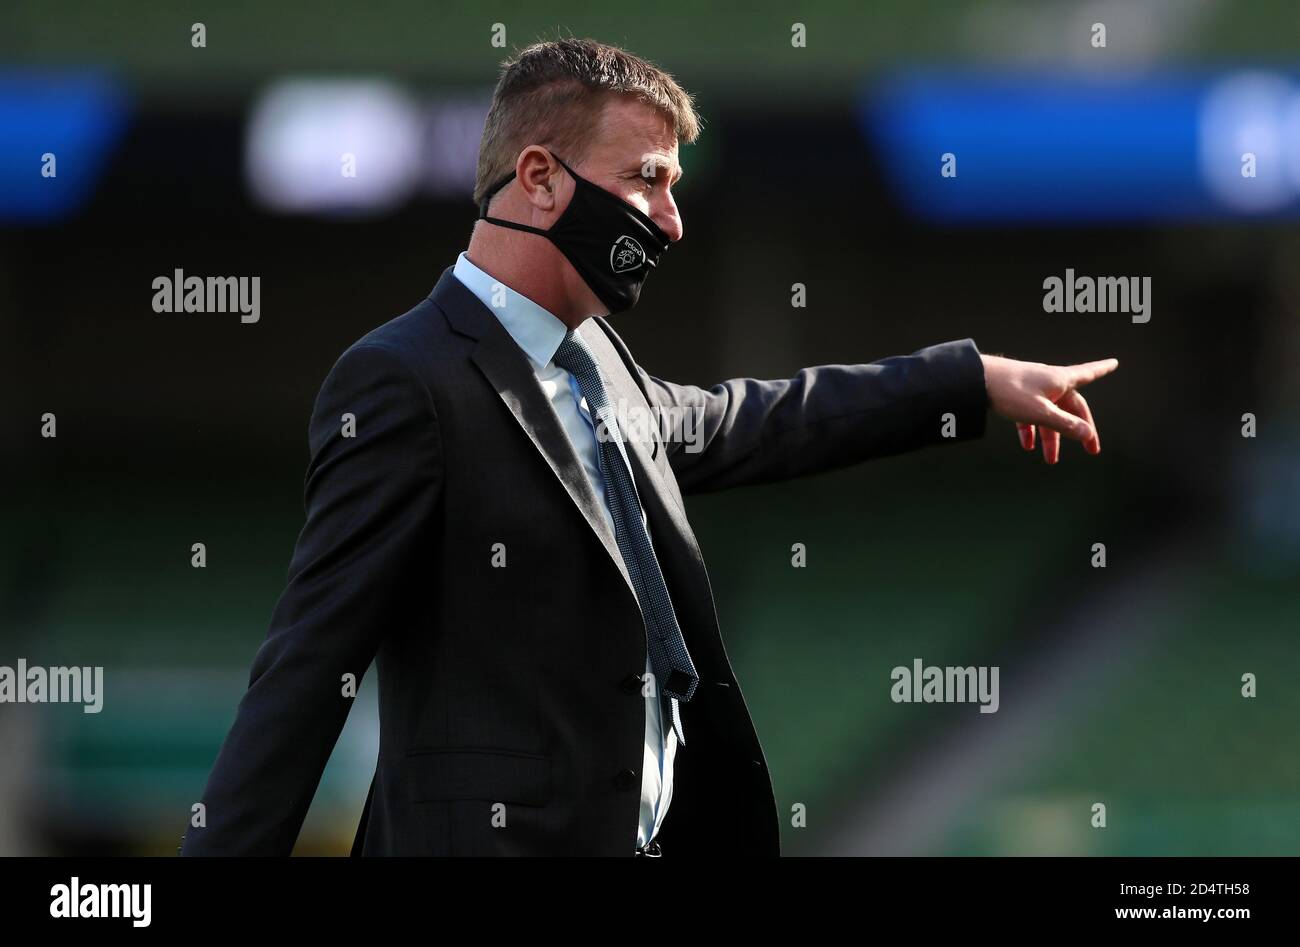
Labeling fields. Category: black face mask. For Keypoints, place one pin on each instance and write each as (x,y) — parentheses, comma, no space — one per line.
(611,244)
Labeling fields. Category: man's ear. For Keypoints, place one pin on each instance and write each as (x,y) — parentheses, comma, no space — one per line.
(536,169)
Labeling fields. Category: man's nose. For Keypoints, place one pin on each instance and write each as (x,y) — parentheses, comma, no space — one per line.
(668,219)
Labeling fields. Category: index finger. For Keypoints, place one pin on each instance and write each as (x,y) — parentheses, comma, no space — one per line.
(1091,371)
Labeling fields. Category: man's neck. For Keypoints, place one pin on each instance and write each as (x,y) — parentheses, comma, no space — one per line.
(533,271)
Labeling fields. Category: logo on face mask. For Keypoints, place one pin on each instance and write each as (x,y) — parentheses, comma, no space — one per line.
(625,255)
(582,233)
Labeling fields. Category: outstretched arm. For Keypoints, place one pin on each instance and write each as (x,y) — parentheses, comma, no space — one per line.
(749,431)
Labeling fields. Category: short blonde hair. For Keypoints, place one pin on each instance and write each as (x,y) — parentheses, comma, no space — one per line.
(553,93)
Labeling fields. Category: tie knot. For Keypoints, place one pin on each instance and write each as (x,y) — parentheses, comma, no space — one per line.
(574,355)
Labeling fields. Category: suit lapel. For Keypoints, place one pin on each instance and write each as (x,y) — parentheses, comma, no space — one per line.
(508,370)
(675,545)
(510,373)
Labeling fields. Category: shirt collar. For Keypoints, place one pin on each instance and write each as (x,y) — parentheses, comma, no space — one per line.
(534,329)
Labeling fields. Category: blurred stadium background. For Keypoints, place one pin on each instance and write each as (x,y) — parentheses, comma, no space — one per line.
(818,165)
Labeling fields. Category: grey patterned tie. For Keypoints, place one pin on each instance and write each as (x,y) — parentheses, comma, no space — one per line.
(669,659)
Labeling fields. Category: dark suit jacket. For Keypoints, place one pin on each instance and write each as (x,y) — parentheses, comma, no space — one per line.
(517,685)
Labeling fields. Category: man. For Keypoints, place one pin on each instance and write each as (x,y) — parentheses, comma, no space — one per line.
(485,524)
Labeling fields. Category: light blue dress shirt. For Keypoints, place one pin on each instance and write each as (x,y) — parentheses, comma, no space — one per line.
(539,334)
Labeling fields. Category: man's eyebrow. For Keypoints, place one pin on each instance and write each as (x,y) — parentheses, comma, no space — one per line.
(659,161)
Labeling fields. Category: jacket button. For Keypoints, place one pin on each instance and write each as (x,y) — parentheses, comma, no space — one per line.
(632,683)
(626,779)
